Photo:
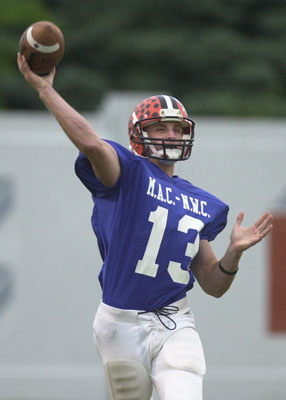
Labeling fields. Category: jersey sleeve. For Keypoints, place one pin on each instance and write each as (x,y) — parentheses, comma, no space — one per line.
(85,173)
(216,224)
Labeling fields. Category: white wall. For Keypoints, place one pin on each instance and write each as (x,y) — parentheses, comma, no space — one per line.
(49,260)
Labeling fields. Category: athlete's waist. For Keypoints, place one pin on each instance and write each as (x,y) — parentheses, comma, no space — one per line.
(117,314)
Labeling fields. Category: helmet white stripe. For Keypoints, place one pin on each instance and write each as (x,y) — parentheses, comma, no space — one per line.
(168,101)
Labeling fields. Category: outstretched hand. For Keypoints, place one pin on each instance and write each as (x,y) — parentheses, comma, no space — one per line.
(37,82)
(242,238)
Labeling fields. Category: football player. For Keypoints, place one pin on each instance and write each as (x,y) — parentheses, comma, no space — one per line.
(153,230)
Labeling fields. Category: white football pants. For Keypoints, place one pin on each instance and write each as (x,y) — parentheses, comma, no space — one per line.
(174,359)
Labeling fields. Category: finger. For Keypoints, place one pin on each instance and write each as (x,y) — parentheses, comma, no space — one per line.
(19,60)
(261,219)
(53,73)
(266,231)
(264,225)
(239,218)
(22,64)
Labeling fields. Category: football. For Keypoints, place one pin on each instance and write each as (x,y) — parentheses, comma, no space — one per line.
(42,45)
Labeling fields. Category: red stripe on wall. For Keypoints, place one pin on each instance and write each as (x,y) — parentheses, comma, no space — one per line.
(278,275)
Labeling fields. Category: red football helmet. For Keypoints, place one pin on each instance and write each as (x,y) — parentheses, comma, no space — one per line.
(154,109)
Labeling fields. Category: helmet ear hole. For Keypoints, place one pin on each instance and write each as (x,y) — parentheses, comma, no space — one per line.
(139,148)
(135,137)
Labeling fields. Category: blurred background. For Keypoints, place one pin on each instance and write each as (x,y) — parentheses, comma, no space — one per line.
(213,54)
(226,62)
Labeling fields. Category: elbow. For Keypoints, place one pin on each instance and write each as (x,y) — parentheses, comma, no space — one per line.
(214,288)
(215,292)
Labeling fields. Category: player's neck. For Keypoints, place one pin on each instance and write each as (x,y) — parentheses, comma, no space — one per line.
(168,169)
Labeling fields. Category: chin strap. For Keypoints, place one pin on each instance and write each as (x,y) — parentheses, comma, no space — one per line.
(167,162)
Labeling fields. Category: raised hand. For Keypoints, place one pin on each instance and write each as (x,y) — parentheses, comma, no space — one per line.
(242,238)
(34,80)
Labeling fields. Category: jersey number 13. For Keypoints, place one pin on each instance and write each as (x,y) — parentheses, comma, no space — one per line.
(148,266)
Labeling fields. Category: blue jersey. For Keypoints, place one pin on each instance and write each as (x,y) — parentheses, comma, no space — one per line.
(148,227)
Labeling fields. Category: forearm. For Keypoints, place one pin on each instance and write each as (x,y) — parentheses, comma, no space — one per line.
(216,282)
(206,269)
(230,261)
(241,239)
(76,127)
(225,270)
(210,276)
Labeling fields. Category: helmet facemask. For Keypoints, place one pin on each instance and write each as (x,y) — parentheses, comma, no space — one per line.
(169,150)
